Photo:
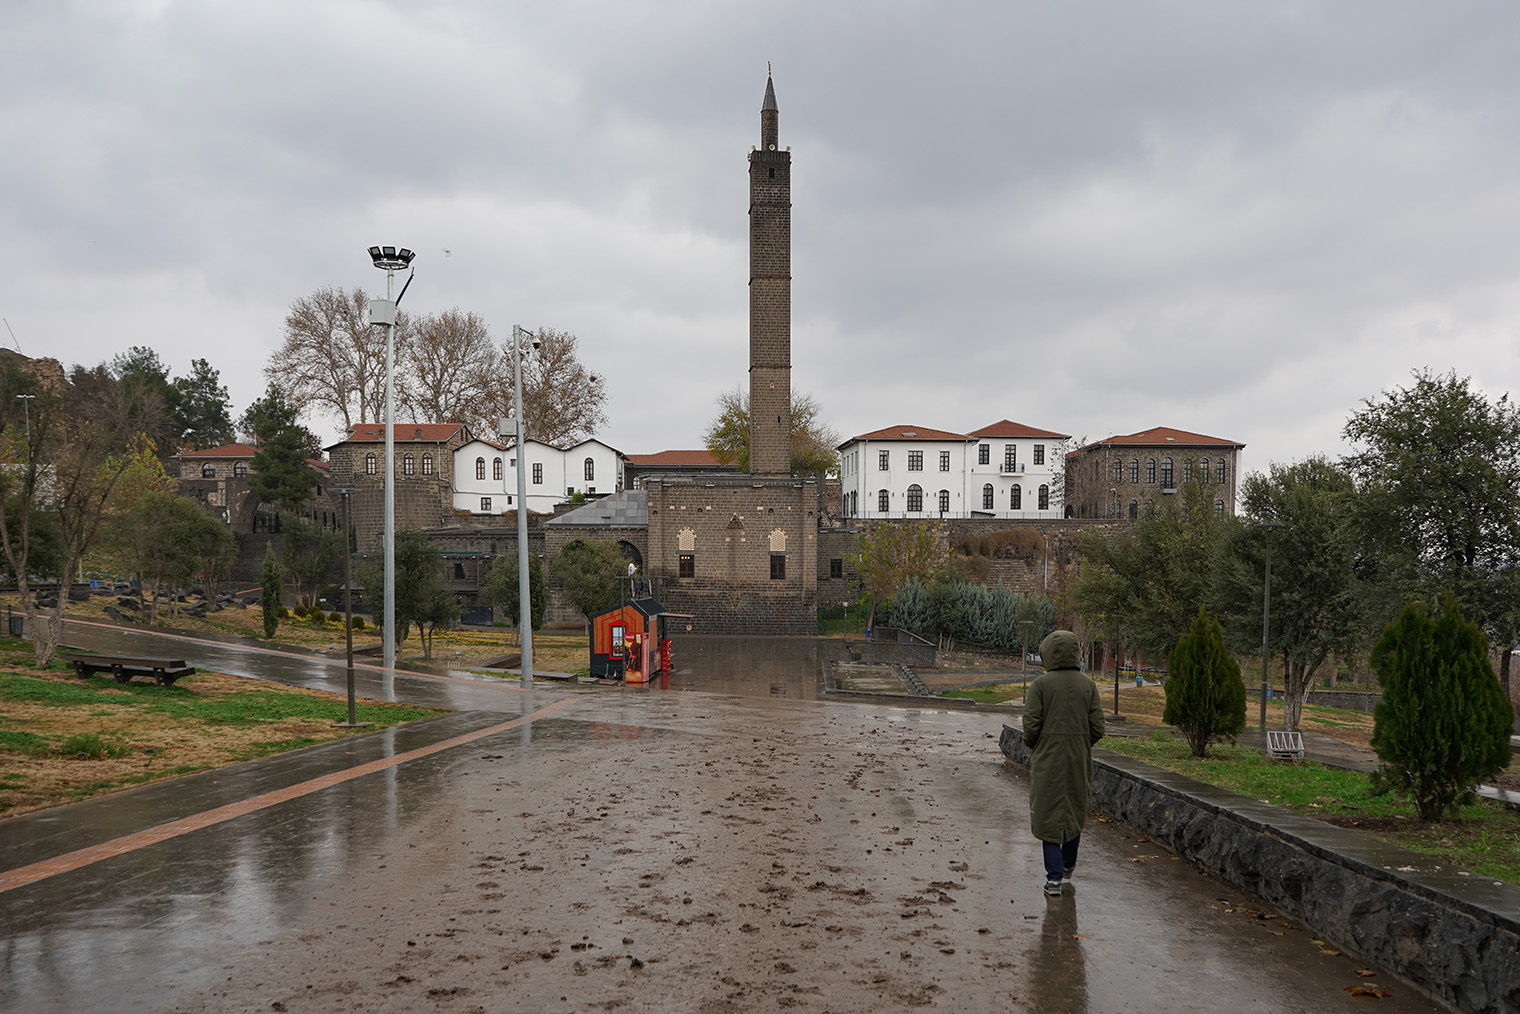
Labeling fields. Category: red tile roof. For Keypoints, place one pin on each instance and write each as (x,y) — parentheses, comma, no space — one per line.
(1007,428)
(224,451)
(406,433)
(1160,436)
(908,433)
(702,458)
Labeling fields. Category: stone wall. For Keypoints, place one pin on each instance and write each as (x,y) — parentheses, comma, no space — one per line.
(1455,938)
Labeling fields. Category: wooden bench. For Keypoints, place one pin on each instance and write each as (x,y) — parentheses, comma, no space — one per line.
(1285,745)
(122,668)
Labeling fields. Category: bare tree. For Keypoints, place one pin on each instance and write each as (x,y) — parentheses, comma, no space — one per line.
(453,370)
(562,399)
(332,358)
(812,440)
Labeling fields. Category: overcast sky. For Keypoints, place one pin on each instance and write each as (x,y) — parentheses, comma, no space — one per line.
(1239,219)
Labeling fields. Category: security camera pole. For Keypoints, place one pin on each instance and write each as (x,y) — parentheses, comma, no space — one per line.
(383,311)
(524,589)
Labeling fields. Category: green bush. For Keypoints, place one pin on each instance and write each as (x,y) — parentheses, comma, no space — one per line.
(1443,724)
(358,623)
(282,613)
(1205,698)
(335,617)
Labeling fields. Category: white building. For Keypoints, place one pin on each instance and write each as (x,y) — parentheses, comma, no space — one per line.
(1006,470)
(485,474)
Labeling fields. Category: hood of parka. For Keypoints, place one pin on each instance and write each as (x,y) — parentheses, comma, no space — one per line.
(1059,650)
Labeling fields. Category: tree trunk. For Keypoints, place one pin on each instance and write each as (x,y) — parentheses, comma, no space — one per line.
(1504,672)
(1297,678)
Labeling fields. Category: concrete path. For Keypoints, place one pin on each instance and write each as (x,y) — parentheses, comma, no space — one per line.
(630,850)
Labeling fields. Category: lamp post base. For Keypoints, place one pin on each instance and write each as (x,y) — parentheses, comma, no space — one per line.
(352,725)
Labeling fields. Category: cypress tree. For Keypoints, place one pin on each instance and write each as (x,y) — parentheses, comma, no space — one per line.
(1443,724)
(1205,698)
(270,599)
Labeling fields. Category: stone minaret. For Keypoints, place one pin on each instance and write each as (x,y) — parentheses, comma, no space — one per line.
(770,297)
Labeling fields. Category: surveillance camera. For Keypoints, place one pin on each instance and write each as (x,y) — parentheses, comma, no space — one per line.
(536,342)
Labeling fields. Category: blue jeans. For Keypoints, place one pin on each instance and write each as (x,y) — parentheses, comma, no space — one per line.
(1060,856)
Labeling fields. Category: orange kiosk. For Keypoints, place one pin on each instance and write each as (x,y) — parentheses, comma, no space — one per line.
(630,641)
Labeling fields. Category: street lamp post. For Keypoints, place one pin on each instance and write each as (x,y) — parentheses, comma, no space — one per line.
(1266,614)
(1024,626)
(348,609)
(26,404)
(383,311)
(524,590)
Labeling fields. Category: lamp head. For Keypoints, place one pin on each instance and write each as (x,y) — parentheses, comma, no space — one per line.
(388,258)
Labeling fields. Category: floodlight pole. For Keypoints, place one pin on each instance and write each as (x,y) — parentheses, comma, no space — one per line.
(524,585)
(389,259)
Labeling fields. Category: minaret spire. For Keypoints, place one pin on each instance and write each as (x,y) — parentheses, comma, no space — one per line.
(770,297)
(770,116)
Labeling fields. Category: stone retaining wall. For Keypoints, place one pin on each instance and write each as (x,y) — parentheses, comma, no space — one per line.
(1456,938)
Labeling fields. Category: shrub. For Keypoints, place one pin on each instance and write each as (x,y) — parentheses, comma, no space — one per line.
(1443,724)
(335,616)
(1205,698)
(298,611)
(358,623)
(282,613)
(92,746)
(269,593)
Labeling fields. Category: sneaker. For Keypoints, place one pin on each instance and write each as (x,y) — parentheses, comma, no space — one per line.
(1066,873)
(1052,887)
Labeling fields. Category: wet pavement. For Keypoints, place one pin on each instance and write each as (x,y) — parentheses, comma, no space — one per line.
(671,849)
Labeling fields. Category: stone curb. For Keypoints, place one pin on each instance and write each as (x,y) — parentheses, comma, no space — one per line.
(1455,938)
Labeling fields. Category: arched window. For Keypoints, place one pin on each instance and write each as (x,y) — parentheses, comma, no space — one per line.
(369,463)
(480,468)
(239,469)
(1044,497)
(915,499)
(427,464)
(1118,470)
(1134,469)
(944,501)
(1203,469)
(881,502)
(1187,469)
(1166,473)
(408,464)
(590,470)
(208,471)
(1134,509)
(1150,471)
(496,469)
(987,495)
(1114,507)
(1219,471)
(1016,498)
(1218,506)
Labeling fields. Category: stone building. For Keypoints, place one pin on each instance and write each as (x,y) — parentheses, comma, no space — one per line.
(1123,475)
(424,476)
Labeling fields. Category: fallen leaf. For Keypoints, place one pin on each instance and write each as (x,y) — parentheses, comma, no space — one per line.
(1078,936)
(1329,953)
(1365,972)
(1317,943)
(1367,991)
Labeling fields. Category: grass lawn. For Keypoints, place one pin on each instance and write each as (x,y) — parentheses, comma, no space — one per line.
(63,738)
(1483,838)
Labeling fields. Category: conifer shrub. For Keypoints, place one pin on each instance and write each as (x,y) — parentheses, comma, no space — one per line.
(269,598)
(358,623)
(1443,724)
(335,617)
(1205,697)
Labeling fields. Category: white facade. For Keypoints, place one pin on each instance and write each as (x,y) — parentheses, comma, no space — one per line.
(916,472)
(485,474)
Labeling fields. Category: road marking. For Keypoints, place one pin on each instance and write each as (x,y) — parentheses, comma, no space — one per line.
(23,875)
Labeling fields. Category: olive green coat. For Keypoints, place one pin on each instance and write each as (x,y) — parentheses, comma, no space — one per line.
(1062,721)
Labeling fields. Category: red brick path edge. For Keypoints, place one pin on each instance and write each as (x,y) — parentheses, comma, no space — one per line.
(23,875)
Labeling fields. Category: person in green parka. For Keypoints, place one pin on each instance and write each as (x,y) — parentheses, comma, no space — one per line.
(1062,721)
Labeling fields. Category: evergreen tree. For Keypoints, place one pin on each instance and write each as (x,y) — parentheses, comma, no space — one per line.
(1443,724)
(1205,698)
(270,599)
(501,588)
(199,404)
(910,609)
(280,474)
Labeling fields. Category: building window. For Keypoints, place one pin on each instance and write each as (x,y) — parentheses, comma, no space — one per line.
(983,454)
(883,461)
(485,505)
(1044,497)
(944,461)
(369,463)
(944,501)
(778,566)
(1113,510)
(881,502)
(915,461)
(496,469)
(1187,469)
(1016,498)
(208,471)
(836,569)
(1166,474)
(480,468)
(538,473)
(1118,470)
(1150,471)
(1134,509)
(1218,506)
(686,540)
(686,565)
(987,495)
(1219,472)
(239,469)
(1203,469)
(408,465)
(1010,458)
(1039,454)
(1134,469)
(590,470)
(915,499)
